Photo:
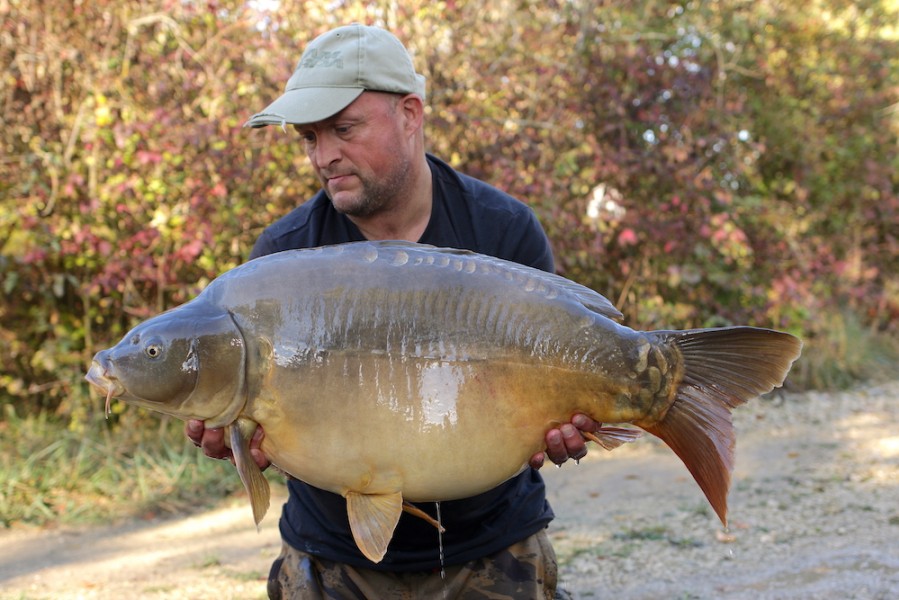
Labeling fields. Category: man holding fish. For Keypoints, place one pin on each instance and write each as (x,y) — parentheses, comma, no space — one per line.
(358,105)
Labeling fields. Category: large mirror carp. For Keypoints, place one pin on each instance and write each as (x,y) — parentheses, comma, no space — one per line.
(391,373)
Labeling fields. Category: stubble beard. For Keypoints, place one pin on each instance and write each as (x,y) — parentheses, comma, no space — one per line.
(376,195)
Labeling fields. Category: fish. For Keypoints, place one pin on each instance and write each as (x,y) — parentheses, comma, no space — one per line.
(393,373)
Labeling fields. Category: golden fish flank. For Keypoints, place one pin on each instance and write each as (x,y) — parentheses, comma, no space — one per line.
(429,346)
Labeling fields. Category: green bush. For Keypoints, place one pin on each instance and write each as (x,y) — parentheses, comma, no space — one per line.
(698,163)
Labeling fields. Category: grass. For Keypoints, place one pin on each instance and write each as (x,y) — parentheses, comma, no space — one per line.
(656,533)
(844,352)
(139,466)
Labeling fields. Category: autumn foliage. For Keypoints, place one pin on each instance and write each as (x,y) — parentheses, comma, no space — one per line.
(701,164)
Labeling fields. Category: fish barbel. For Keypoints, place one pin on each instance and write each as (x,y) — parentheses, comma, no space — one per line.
(438,361)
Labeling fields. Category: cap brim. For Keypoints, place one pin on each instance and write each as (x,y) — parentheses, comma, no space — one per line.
(305,105)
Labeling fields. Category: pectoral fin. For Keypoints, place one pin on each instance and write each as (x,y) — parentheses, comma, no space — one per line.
(241,432)
(373,517)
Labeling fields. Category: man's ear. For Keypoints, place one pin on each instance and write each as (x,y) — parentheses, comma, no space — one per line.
(413,109)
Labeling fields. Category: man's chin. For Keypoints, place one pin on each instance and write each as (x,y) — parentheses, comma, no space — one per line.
(351,205)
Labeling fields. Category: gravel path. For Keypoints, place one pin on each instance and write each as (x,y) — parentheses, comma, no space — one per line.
(814,513)
(814,510)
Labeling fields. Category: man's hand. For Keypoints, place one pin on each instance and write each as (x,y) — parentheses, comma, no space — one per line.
(212,441)
(566,441)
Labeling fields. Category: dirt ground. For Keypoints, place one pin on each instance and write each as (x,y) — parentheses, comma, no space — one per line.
(814,513)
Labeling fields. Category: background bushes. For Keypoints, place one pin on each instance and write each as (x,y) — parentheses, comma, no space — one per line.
(699,163)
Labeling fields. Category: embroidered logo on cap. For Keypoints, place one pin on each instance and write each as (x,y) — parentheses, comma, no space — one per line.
(317,58)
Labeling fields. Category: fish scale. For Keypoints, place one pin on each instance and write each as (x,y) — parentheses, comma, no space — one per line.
(387,371)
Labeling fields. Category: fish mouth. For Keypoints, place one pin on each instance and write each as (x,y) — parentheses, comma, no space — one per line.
(99,377)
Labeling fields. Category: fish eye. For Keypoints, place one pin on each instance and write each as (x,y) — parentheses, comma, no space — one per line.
(153,349)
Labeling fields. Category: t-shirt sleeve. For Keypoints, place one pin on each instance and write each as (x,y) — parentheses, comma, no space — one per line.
(263,246)
(524,241)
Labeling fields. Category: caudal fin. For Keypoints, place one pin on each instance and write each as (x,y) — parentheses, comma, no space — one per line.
(723,368)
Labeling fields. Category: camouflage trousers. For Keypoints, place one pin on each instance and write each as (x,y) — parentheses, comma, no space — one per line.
(526,570)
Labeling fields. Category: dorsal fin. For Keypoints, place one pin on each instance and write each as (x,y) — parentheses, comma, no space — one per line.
(589,298)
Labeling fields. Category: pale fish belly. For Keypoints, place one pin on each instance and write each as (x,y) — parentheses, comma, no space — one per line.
(432,429)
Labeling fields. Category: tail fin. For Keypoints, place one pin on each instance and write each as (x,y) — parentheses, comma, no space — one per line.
(723,368)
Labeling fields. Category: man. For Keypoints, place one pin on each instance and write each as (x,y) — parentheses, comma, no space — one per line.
(358,105)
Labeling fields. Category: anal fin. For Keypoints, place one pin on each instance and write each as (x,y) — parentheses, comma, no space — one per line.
(609,437)
(373,518)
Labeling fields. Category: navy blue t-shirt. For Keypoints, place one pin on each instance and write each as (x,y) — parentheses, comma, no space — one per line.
(467,214)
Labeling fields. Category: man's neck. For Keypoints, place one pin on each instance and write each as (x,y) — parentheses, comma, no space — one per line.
(407,217)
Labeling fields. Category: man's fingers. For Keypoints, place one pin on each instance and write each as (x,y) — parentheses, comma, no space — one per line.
(537,460)
(565,442)
(213,443)
(193,429)
(575,446)
(256,441)
(585,423)
(555,446)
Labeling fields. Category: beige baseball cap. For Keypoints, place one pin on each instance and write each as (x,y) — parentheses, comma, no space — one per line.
(335,69)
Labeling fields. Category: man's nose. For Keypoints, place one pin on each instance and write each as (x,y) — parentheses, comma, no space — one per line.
(327,150)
